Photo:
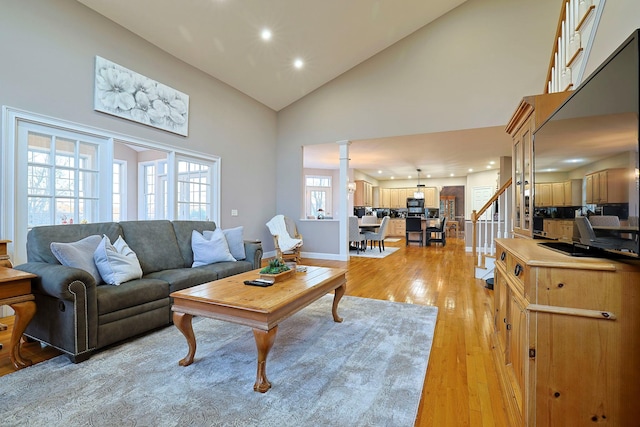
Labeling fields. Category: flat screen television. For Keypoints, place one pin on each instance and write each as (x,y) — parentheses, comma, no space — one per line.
(591,141)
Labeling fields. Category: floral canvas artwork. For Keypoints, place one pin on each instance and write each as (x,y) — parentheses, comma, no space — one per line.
(127,94)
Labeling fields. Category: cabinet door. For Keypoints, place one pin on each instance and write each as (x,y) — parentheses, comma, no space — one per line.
(589,189)
(557,194)
(568,195)
(546,198)
(501,291)
(385,201)
(518,343)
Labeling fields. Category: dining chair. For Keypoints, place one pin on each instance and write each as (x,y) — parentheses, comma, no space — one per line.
(604,220)
(588,237)
(439,231)
(378,236)
(369,219)
(355,235)
(413,225)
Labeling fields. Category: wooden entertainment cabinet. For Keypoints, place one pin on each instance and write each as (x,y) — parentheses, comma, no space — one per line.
(567,336)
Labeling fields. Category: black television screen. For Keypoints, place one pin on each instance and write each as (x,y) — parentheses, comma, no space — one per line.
(588,148)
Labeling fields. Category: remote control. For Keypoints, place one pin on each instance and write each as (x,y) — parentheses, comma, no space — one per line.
(258,282)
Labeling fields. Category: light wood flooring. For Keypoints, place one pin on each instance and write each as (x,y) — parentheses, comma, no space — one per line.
(461,386)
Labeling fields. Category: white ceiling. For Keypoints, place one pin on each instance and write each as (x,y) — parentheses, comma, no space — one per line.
(222,38)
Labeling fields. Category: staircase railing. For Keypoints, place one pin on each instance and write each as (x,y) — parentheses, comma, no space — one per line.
(491,226)
(574,35)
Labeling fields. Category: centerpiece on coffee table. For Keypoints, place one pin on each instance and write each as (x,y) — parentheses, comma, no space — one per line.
(276,271)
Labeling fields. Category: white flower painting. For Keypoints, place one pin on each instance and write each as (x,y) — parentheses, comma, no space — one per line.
(127,94)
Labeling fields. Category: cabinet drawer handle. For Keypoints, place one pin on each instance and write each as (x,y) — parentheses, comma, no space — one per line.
(517,270)
(503,255)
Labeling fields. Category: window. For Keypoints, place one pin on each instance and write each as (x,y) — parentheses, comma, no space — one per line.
(318,195)
(195,189)
(119,205)
(62,176)
(58,172)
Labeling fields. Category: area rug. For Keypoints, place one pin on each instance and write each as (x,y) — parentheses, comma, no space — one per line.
(391,239)
(367,371)
(373,253)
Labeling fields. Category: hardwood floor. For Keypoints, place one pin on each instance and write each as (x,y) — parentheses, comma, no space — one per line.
(461,386)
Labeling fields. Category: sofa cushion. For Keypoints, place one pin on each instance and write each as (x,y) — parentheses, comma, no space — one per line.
(226,269)
(39,238)
(155,244)
(210,250)
(183,230)
(130,294)
(182,278)
(79,254)
(116,262)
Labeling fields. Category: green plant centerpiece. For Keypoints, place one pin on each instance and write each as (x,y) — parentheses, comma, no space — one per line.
(276,266)
(276,271)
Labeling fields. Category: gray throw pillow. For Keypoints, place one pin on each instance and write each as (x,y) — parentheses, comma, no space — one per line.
(79,255)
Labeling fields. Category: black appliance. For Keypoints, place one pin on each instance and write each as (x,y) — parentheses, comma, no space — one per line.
(415,207)
(359,211)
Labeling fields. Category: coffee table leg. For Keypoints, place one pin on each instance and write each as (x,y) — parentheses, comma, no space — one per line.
(183,323)
(24,313)
(264,342)
(337,296)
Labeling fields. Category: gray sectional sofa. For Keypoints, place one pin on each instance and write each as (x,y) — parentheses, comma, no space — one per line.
(77,315)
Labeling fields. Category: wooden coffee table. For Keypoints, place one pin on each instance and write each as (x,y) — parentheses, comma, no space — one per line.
(262,309)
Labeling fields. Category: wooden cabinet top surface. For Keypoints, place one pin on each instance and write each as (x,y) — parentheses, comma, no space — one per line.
(534,255)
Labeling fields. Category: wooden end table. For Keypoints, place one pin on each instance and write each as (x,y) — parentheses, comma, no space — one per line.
(15,291)
(262,309)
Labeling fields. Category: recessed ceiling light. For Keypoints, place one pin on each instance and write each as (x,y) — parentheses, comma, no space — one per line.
(409,177)
(298,63)
(470,170)
(451,175)
(393,177)
(379,171)
(492,163)
(266,34)
(488,166)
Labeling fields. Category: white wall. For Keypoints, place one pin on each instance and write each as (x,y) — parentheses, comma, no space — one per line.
(468,69)
(48,55)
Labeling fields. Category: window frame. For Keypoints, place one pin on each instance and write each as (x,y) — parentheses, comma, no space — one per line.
(13,225)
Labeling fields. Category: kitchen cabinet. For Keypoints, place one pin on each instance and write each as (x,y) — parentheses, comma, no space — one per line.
(558,229)
(530,114)
(558,194)
(431,197)
(607,186)
(396,227)
(566,336)
(364,194)
(544,194)
(385,200)
(396,198)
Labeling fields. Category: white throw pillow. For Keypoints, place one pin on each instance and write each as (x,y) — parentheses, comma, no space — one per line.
(79,255)
(208,251)
(235,240)
(116,262)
